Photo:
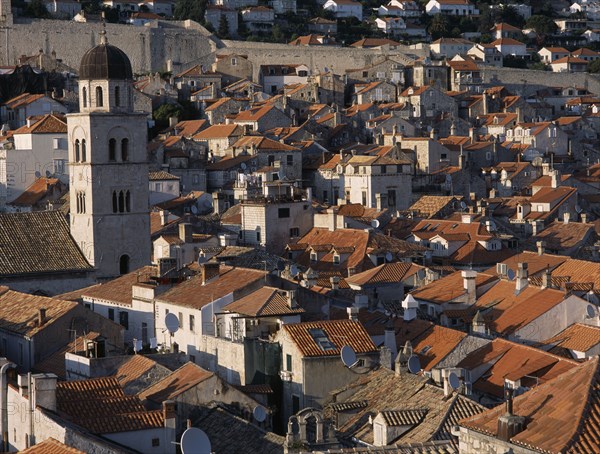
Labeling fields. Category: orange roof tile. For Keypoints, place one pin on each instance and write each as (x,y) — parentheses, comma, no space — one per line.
(119,290)
(39,189)
(382,274)
(264,302)
(448,288)
(181,380)
(339,333)
(577,337)
(51,446)
(435,344)
(46,124)
(219,131)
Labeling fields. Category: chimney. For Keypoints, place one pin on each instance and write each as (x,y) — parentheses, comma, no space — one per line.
(352,313)
(291,299)
(332,213)
(521,280)
(390,338)
(485,102)
(478,325)
(44,391)
(472,134)
(169,414)
(540,247)
(555,176)
(410,306)
(453,129)
(164,217)
(173,121)
(433,134)
(209,271)
(584,218)
(469,285)
(402,358)
(335,282)
(547,278)
(185,233)
(361,301)
(566,217)
(29,122)
(466,218)
(509,424)
(41,316)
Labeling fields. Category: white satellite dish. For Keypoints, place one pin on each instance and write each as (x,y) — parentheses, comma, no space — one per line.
(243,166)
(375,223)
(421,274)
(137,345)
(194,209)
(510,274)
(195,441)
(153,343)
(172,323)
(294,271)
(348,356)
(463,205)
(591,311)
(259,413)
(453,380)
(414,364)
(389,257)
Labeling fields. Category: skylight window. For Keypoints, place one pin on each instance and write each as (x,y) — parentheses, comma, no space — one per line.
(321,339)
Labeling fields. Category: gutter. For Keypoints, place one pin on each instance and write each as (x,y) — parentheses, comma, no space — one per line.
(4,403)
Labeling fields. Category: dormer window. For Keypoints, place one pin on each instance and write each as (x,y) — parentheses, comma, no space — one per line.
(313,256)
(336,259)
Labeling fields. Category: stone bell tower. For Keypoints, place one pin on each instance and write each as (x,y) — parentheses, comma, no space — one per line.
(108,170)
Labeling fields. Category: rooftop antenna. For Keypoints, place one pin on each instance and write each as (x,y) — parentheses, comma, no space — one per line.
(195,441)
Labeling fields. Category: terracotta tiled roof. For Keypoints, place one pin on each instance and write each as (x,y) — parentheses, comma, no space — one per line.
(262,144)
(561,414)
(449,288)
(19,311)
(559,236)
(39,189)
(384,274)
(339,333)
(100,406)
(430,205)
(161,175)
(46,124)
(374,42)
(51,446)
(219,131)
(536,263)
(577,337)
(254,113)
(435,344)
(119,290)
(191,293)
(579,271)
(228,163)
(381,390)
(264,302)
(181,380)
(22,100)
(502,359)
(38,242)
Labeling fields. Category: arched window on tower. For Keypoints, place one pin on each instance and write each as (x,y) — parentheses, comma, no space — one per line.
(124,264)
(84,96)
(127,201)
(121,202)
(112,150)
(83,151)
(117,96)
(77,152)
(125,150)
(115,204)
(99,100)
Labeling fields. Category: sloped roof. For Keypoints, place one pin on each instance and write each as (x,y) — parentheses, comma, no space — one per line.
(161,175)
(562,414)
(219,131)
(264,302)
(55,363)
(382,274)
(39,189)
(577,337)
(449,287)
(179,381)
(22,100)
(339,332)
(51,446)
(100,406)
(38,242)
(46,124)
(262,144)
(429,206)
(119,290)
(559,235)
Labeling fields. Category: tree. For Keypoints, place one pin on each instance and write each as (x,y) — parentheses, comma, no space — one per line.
(439,26)
(163,113)
(242,28)
(37,8)
(278,35)
(190,9)
(594,67)
(543,25)
(223,31)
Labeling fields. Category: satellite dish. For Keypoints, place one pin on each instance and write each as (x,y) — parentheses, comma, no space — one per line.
(578,209)
(453,380)
(375,223)
(326,69)
(463,205)
(537,161)
(243,166)
(153,343)
(421,274)
(37,174)
(389,257)
(194,209)
(510,274)
(172,323)
(259,413)
(195,441)
(48,174)
(294,270)
(591,311)
(348,356)
(414,364)
(137,345)
(280,265)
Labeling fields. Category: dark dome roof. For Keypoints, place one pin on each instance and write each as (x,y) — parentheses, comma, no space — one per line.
(105,62)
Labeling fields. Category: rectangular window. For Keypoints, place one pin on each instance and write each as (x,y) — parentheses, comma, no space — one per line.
(290,160)
(181,320)
(284,213)
(294,231)
(270,160)
(288,362)
(192,322)
(157,187)
(124,319)
(111,314)
(364,198)
(258,237)
(155,442)
(392,198)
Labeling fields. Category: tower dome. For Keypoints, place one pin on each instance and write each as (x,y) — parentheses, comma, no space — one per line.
(105,62)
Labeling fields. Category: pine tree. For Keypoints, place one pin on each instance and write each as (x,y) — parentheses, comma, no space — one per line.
(223,31)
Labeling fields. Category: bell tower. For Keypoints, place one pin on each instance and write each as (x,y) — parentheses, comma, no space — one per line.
(107,162)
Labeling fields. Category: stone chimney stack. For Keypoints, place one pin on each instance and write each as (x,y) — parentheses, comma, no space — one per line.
(390,338)
(566,217)
(209,271)
(541,246)
(410,306)
(547,278)
(469,285)
(169,409)
(41,316)
(335,282)
(555,179)
(522,279)
(352,313)
(185,233)
(291,299)
(509,424)
(44,391)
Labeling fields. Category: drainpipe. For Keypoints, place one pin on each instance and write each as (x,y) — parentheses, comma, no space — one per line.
(4,403)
